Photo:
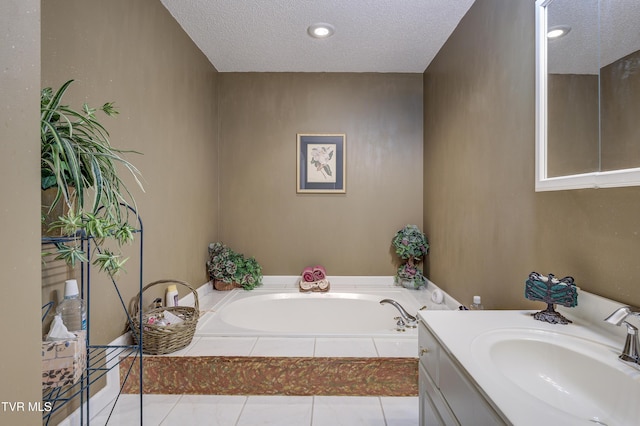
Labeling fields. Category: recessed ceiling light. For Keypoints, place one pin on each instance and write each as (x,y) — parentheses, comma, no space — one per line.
(558,31)
(321,30)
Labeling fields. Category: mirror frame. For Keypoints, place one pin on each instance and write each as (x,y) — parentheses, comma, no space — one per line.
(606,179)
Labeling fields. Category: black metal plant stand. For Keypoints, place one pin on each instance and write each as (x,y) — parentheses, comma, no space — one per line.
(101,359)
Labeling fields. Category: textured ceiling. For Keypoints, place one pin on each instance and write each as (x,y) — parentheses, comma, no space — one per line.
(271,35)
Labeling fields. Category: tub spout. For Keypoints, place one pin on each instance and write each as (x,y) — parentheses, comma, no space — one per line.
(409,319)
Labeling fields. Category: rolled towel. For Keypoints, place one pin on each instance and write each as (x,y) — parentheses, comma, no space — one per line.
(319,273)
(307,274)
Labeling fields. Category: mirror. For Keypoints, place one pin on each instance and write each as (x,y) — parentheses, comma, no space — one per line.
(587,94)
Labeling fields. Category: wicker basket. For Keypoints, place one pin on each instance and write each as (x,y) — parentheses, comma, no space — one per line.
(164,339)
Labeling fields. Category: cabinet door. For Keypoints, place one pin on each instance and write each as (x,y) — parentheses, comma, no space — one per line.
(428,349)
(469,406)
(428,416)
(433,408)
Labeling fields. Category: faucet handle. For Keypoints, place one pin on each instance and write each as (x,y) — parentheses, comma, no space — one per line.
(618,316)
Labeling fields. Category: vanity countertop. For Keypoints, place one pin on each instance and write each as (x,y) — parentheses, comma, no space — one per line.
(469,338)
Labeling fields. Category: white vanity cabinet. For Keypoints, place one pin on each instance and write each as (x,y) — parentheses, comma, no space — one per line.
(447,395)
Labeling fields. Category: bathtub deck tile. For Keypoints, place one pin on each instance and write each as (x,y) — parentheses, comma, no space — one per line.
(284,347)
(205,316)
(222,346)
(208,301)
(390,347)
(345,347)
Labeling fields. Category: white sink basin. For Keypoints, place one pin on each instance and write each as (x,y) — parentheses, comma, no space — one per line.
(577,376)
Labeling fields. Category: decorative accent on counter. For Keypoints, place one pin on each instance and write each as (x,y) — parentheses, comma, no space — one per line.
(166,329)
(437,296)
(314,279)
(228,269)
(552,291)
(411,246)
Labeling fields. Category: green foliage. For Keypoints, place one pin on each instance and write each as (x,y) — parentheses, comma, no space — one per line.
(76,156)
(78,160)
(411,245)
(410,242)
(408,271)
(109,262)
(69,223)
(97,227)
(70,253)
(124,234)
(228,266)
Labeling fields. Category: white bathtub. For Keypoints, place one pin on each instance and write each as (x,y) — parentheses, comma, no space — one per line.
(346,310)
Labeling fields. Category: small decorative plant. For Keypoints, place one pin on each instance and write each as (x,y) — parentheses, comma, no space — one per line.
(410,272)
(410,242)
(411,246)
(77,160)
(234,269)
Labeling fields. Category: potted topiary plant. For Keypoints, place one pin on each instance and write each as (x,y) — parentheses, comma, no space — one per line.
(228,269)
(411,246)
(78,163)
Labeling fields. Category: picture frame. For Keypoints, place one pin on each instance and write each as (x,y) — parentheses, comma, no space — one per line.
(321,163)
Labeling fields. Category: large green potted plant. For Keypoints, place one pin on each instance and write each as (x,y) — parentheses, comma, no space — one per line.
(228,269)
(80,174)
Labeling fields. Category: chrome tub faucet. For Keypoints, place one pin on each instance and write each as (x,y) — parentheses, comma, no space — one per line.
(631,351)
(405,319)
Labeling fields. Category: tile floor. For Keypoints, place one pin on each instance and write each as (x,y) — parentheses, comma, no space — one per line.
(229,410)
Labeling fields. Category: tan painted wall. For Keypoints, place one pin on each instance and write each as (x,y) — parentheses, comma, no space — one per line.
(134,53)
(261,214)
(487,226)
(20,375)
